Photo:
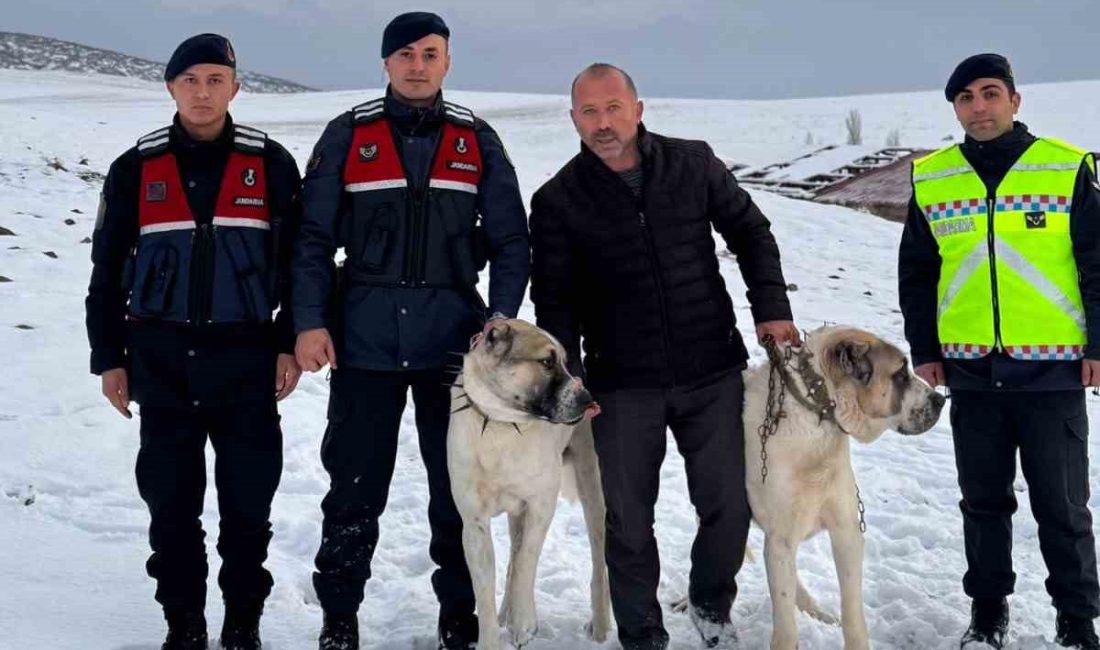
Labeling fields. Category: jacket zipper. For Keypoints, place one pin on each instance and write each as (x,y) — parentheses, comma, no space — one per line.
(199,293)
(647,235)
(991,242)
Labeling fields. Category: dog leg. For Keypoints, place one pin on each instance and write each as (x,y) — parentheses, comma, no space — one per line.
(780,562)
(515,533)
(477,542)
(522,620)
(847,544)
(587,470)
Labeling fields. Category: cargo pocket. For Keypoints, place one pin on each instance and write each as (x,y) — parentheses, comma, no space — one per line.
(461,242)
(374,236)
(159,280)
(1077,459)
(251,285)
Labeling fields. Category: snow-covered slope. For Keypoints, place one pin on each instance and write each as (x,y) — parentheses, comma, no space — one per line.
(31,52)
(72,527)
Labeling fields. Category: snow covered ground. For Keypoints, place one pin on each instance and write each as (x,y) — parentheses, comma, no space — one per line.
(72,527)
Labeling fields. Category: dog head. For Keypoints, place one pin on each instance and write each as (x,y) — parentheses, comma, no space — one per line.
(516,372)
(872,384)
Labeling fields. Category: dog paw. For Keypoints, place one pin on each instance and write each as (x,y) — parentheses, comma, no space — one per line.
(523,631)
(597,630)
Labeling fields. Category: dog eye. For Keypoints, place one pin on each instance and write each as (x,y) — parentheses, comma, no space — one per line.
(548,362)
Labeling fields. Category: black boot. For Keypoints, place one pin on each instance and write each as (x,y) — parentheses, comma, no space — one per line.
(241,629)
(1073,632)
(340,632)
(988,624)
(715,629)
(186,631)
(458,633)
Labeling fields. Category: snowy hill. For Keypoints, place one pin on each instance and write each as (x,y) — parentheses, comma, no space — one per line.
(73,529)
(30,52)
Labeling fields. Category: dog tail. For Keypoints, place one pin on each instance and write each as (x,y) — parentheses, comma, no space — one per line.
(806,603)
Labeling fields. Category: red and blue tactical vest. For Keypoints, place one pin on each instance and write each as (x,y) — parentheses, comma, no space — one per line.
(404,236)
(239,286)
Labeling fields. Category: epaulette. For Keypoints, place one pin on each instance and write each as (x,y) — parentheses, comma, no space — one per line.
(369,111)
(459,115)
(154,142)
(248,139)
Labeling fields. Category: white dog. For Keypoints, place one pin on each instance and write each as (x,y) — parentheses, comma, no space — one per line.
(517,424)
(844,384)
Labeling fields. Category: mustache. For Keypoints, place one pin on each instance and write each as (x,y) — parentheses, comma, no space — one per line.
(604,133)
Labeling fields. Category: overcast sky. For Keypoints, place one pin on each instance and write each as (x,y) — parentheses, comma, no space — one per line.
(673,48)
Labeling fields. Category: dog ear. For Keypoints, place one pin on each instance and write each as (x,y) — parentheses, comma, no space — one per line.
(499,334)
(853,359)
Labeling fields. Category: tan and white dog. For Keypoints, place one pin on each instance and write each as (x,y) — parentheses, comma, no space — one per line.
(516,430)
(810,484)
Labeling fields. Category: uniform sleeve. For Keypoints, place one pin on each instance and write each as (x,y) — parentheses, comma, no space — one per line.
(312,267)
(553,287)
(505,224)
(918,277)
(116,232)
(1085,232)
(748,235)
(285,183)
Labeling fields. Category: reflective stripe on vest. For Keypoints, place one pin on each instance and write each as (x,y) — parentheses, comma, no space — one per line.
(1027,301)
(373,162)
(242,197)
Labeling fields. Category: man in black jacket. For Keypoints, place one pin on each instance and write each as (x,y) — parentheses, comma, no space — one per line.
(623,257)
(399,182)
(1002,304)
(190,254)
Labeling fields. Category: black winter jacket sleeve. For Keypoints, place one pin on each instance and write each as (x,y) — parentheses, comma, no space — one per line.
(1085,232)
(553,280)
(918,277)
(748,235)
(505,223)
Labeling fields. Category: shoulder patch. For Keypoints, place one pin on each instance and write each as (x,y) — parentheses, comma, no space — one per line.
(368,111)
(154,142)
(249,139)
(458,114)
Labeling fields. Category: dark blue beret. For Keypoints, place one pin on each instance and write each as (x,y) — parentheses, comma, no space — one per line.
(979,66)
(411,27)
(203,48)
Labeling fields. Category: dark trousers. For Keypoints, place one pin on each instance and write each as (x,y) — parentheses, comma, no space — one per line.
(359,452)
(630,441)
(1050,429)
(171,477)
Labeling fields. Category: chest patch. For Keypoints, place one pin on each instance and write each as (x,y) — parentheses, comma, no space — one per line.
(156,191)
(1036,219)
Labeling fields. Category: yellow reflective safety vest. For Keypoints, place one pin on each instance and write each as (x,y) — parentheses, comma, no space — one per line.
(1008,279)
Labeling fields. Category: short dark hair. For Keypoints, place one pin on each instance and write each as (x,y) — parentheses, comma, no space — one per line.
(599,70)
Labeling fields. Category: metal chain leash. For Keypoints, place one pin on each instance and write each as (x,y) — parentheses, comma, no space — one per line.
(773,410)
(859,506)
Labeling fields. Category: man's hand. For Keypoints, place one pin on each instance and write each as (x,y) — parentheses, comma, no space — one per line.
(1090,372)
(314,350)
(782,331)
(287,373)
(931,373)
(116,388)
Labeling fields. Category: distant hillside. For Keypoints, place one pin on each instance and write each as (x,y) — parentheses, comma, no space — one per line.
(30,52)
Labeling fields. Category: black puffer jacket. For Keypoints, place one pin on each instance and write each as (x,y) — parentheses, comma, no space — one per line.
(638,278)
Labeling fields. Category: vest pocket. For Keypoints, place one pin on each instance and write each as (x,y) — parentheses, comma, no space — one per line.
(373,239)
(159,280)
(250,277)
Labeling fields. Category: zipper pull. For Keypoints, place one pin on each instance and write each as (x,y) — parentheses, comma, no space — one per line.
(641,218)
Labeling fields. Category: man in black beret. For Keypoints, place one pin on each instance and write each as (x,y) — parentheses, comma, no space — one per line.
(420,194)
(999,283)
(190,261)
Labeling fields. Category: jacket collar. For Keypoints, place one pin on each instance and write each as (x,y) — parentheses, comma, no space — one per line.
(411,119)
(184,142)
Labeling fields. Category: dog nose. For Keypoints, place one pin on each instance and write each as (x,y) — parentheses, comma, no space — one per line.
(938,400)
